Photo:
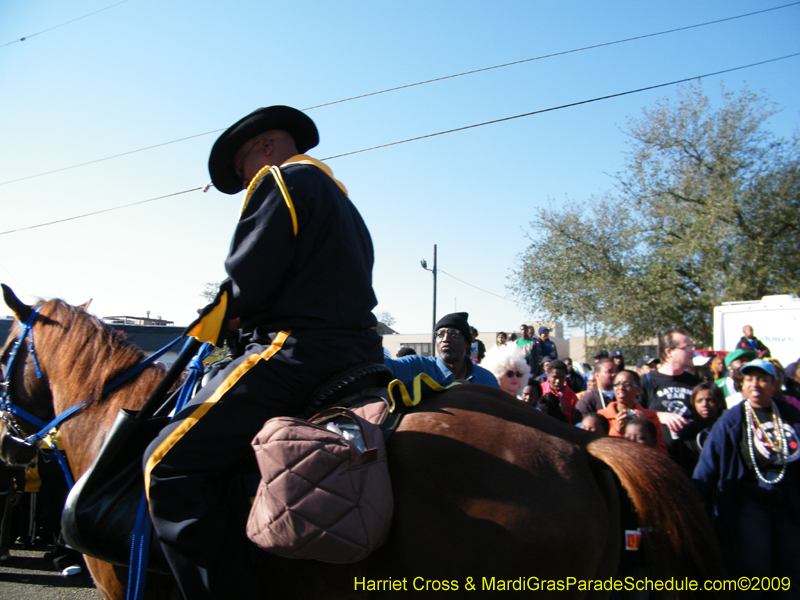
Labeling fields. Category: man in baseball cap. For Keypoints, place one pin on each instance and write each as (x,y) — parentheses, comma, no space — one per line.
(546,345)
(733,362)
(749,476)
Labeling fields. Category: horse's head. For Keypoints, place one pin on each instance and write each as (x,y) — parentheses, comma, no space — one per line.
(57,359)
(25,392)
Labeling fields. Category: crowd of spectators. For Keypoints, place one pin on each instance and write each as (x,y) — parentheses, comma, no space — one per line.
(730,420)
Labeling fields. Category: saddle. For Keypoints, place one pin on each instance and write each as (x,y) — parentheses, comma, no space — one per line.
(100,512)
(363,386)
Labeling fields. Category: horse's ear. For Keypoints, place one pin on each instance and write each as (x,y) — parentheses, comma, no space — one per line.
(85,306)
(21,310)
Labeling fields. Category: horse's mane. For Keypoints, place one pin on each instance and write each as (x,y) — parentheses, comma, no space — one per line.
(89,350)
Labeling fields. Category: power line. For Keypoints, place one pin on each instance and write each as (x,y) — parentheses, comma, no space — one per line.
(422,137)
(476,287)
(91,162)
(98,212)
(27,37)
(544,56)
(527,60)
(544,110)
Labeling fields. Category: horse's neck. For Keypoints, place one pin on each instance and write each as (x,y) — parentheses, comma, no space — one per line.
(84,434)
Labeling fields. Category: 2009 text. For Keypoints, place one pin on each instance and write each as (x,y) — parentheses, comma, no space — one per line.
(538,584)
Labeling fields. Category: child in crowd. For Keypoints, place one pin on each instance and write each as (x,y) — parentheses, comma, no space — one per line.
(556,384)
(597,423)
(532,392)
(642,431)
(707,404)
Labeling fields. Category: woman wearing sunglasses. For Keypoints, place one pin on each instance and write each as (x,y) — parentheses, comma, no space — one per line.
(508,365)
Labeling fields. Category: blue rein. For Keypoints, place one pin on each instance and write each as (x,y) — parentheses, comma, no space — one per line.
(7,402)
(140,541)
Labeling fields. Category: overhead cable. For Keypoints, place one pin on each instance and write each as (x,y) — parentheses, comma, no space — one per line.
(98,212)
(419,83)
(430,135)
(476,287)
(554,54)
(27,37)
(571,104)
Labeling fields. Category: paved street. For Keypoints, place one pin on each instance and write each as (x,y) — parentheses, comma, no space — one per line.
(28,576)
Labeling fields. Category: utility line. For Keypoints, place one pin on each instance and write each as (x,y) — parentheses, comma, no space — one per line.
(544,110)
(98,212)
(27,37)
(475,286)
(527,60)
(422,137)
(91,162)
(412,85)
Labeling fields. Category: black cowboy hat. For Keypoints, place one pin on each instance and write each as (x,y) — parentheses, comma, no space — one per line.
(291,120)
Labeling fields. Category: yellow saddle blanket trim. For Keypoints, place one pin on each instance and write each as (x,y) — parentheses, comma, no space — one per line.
(399,387)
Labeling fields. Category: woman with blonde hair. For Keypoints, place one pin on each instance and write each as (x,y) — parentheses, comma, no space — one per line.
(508,365)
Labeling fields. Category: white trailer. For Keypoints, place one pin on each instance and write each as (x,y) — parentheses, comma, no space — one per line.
(775,321)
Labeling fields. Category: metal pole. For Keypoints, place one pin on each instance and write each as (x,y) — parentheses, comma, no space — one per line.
(433,326)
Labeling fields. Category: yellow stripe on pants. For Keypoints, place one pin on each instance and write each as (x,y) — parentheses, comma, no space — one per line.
(201,410)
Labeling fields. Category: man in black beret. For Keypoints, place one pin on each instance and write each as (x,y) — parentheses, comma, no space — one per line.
(452,363)
(299,291)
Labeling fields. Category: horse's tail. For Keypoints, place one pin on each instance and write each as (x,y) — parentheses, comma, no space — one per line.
(676,532)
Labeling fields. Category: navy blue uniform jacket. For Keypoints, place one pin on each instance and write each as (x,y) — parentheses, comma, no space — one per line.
(320,278)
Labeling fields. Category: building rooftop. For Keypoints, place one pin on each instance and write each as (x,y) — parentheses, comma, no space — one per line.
(127,320)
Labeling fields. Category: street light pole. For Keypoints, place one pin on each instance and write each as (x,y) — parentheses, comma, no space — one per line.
(433,325)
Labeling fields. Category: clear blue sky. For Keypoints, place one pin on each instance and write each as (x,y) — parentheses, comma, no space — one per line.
(146,72)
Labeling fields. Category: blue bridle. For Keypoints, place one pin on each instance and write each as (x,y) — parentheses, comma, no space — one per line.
(9,409)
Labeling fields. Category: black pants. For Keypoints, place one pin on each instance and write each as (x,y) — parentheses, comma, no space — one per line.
(768,536)
(189,468)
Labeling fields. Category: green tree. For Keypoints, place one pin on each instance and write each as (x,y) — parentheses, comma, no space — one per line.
(707,210)
(209,293)
(210,290)
(385,322)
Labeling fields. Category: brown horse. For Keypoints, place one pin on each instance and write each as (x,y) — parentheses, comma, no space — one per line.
(489,492)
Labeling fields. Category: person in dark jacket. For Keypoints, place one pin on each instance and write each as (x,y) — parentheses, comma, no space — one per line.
(299,290)
(749,475)
(12,487)
(707,405)
(750,342)
(603,394)
(575,380)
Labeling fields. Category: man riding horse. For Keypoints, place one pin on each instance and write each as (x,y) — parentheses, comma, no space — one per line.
(299,290)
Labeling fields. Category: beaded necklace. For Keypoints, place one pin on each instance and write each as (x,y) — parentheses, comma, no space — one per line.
(778,441)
